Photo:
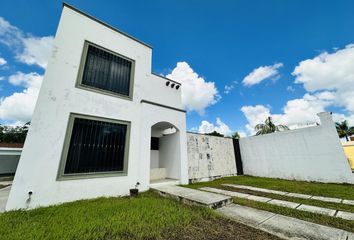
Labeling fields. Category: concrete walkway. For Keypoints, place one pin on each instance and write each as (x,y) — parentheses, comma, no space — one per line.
(279,225)
(4,194)
(282,203)
(282,226)
(290,194)
(192,196)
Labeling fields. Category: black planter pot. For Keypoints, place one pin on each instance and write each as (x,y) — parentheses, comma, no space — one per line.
(134,192)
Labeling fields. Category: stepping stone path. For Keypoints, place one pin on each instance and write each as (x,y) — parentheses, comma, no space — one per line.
(283,226)
(282,203)
(290,194)
(279,225)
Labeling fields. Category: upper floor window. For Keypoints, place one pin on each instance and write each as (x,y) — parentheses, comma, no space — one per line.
(106,71)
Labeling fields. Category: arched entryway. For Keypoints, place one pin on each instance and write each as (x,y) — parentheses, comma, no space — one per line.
(165,153)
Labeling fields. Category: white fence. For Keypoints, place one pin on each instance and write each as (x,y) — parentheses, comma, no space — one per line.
(311,154)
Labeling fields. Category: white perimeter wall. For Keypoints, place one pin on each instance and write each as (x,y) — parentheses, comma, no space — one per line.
(209,157)
(311,154)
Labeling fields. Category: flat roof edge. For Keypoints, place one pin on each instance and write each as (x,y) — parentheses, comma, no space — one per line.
(168,79)
(104,24)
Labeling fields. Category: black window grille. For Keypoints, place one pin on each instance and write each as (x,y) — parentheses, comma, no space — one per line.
(107,71)
(96,146)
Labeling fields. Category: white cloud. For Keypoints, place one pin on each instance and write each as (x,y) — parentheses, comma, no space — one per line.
(19,106)
(2,61)
(197,94)
(290,89)
(330,71)
(254,115)
(28,49)
(28,80)
(262,73)
(228,88)
(329,80)
(297,112)
(220,127)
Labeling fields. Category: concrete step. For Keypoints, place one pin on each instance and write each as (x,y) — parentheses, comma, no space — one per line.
(283,226)
(193,196)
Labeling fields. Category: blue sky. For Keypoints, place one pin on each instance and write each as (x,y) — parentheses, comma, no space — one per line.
(222,42)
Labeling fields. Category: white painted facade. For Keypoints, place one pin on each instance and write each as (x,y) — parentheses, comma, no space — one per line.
(310,154)
(210,157)
(38,167)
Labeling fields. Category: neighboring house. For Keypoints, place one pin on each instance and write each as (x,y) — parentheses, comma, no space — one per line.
(349,152)
(9,156)
(102,120)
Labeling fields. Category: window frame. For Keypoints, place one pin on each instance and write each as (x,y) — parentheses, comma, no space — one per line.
(80,75)
(64,155)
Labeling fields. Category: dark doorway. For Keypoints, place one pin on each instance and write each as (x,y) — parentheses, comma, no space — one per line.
(238,159)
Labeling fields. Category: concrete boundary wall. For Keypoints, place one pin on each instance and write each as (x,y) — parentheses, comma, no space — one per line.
(209,157)
(310,154)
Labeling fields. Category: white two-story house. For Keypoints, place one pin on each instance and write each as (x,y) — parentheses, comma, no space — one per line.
(103,121)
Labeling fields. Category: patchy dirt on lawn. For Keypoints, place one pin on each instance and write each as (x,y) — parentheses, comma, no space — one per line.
(217,229)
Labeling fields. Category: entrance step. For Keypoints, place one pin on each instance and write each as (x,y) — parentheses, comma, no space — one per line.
(282,226)
(192,196)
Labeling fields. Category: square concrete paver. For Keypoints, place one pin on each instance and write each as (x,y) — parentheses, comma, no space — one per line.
(246,215)
(283,203)
(327,199)
(258,198)
(345,215)
(313,209)
(299,195)
(292,228)
(349,202)
(225,192)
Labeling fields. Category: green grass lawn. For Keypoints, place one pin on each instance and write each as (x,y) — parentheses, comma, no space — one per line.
(320,189)
(329,190)
(148,216)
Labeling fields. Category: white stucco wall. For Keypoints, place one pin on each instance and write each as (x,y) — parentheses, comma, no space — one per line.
(38,167)
(311,154)
(210,157)
(154,158)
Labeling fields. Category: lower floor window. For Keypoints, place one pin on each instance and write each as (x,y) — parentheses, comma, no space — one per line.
(96,146)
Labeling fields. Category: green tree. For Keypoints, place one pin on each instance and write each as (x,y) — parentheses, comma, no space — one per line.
(215,133)
(269,127)
(14,134)
(344,130)
(236,135)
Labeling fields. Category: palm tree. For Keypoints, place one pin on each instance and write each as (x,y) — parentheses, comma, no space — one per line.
(236,135)
(269,127)
(344,130)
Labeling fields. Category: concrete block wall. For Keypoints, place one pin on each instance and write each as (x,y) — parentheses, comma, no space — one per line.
(209,157)
(310,154)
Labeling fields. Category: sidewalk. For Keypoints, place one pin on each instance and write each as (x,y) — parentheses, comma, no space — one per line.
(282,226)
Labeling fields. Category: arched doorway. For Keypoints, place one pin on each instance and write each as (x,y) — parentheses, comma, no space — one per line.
(165,153)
